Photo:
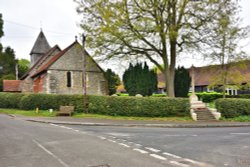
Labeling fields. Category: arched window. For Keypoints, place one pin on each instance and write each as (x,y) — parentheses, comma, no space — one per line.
(69,82)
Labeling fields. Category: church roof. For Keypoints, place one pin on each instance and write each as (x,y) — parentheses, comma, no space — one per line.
(44,67)
(41,45)
(41,60)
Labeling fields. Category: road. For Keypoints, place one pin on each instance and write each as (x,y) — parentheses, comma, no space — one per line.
(217,146)
(24,144)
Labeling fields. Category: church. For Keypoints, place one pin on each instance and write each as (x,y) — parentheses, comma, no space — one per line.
(56,71)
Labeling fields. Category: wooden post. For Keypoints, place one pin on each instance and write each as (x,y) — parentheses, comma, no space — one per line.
(84,78)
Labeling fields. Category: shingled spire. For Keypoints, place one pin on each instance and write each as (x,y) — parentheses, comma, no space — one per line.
(40,47)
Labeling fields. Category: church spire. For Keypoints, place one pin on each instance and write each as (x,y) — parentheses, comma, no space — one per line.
(40,47)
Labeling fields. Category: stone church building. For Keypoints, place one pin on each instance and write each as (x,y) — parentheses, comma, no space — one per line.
(59,71)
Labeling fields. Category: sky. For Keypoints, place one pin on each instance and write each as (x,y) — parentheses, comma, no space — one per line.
(23,20)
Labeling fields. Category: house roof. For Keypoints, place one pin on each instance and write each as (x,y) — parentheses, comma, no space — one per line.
(41,60)
(41,45)
(208,74)
(11,85)
(238,72)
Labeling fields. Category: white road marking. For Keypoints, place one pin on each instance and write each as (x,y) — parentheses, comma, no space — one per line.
(141,151)
(158,156)
(194,162)
(179,164)
(152,149)
(50,153)
(122,144)
(138,144)
(112,141)
(103,138)
(171,155)
(66,127)
(76,130)
(54,124)
(239,133)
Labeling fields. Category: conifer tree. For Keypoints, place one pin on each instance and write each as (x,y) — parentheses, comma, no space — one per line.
(182,82)
(113,81)
(139,79)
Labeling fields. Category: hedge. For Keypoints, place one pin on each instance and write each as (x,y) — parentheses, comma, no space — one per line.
(108,105)
(208,97)
(147,106)
(10,100)
(231,108)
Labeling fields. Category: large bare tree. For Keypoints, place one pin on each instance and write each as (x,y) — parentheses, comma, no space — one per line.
(157,30)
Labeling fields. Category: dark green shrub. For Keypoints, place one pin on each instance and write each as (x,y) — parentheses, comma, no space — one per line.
(10,100)
(244,96)
(49,101)
(208,97)
(97,104)
(231,108)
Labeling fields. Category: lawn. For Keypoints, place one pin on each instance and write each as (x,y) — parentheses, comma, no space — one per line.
(44,113)
(237,119)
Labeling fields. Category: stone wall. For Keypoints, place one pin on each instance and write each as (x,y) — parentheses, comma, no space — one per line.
(72,61)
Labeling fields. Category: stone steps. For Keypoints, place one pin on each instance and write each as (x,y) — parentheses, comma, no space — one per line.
(203,114)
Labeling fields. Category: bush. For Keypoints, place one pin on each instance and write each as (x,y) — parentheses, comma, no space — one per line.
(231,108)
(208,97)
(49,101)
(140,106)
(159,95)
(108,105)
(10,100)
(244,96)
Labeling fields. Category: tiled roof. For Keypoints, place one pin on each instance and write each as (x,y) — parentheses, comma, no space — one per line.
(206,75)
(41,45)
(238,71)
(40,61)
(11,85)
(44,67)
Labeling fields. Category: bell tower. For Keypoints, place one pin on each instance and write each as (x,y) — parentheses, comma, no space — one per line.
(40,47)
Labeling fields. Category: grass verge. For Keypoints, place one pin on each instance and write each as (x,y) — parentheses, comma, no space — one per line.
(237,119)
(43,113)
(31,113)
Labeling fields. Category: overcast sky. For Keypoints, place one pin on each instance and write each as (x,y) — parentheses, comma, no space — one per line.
(23,20)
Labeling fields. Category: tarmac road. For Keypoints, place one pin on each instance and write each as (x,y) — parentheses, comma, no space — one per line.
(217,146)
(24,144)
(29,144)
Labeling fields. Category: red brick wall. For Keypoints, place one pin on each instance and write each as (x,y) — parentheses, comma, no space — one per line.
(38,85)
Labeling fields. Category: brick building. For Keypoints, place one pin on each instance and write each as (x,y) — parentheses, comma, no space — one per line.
(60,71)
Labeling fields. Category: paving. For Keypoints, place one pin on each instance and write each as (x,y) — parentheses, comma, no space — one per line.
(132,123)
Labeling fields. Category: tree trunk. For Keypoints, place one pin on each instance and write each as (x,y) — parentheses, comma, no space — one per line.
(169,83)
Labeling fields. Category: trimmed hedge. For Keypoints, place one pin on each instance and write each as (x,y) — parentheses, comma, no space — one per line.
(139,106)
(208,97)
(244,96)
(108,105)
(231,108)
(10,100)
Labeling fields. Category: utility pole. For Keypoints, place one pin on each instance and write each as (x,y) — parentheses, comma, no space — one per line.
(16,68)
(84,77)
